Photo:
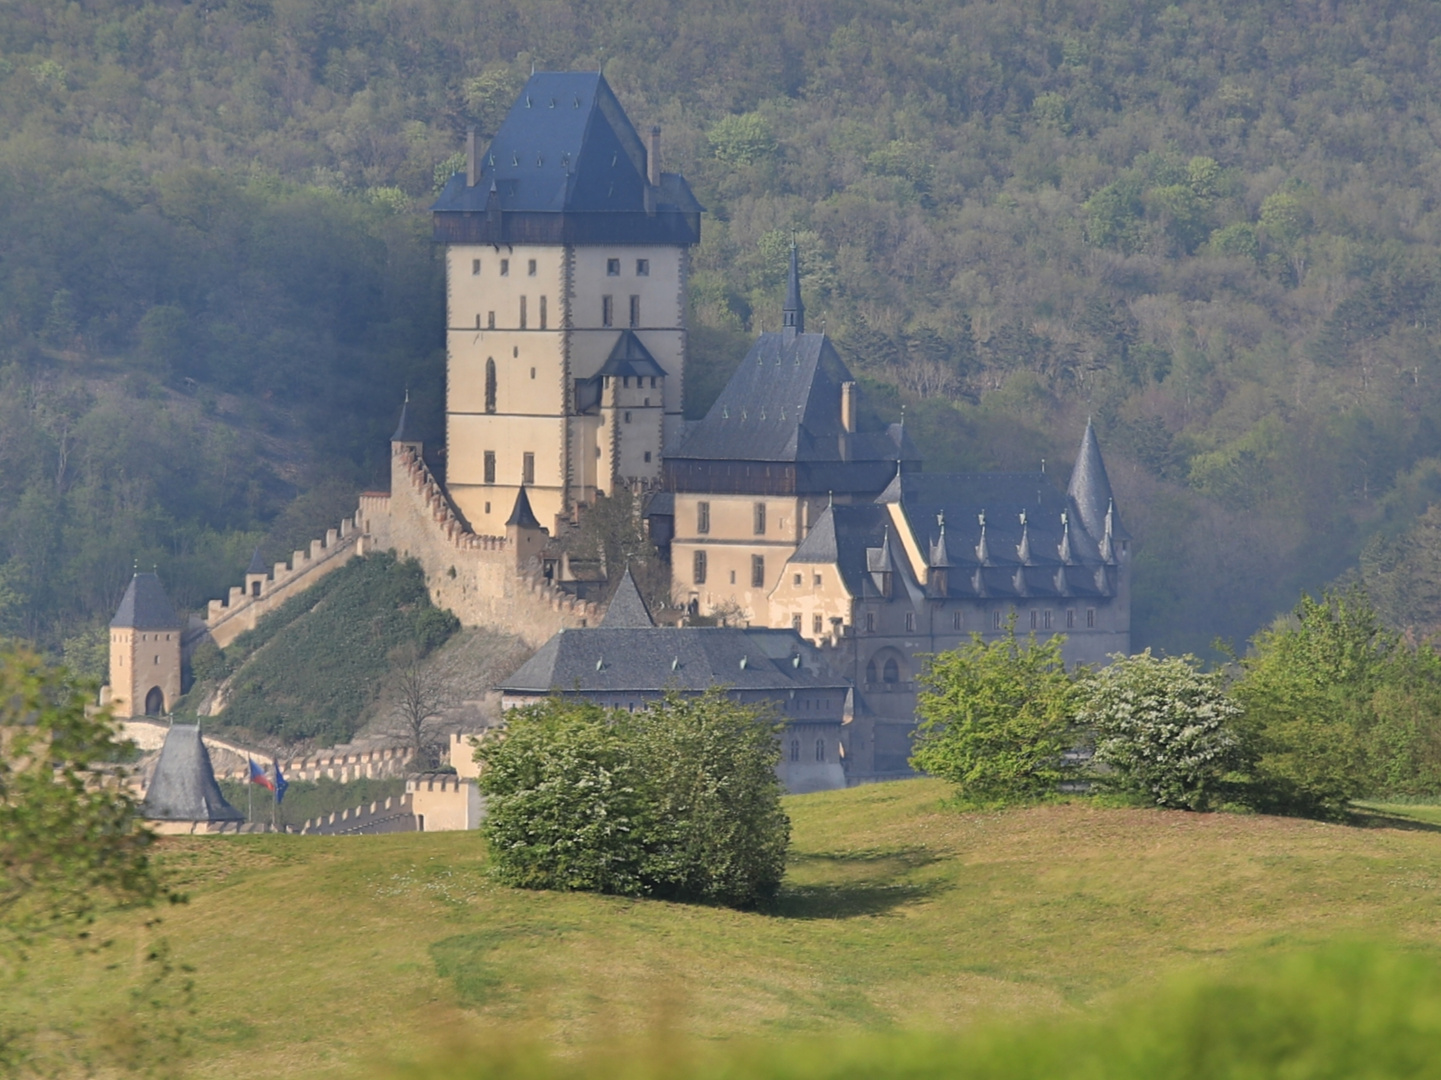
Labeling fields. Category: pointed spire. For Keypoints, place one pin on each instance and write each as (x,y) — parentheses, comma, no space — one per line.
(1023,549)
(940,553)
(983,550)
(405,430)
(793,316)
(1064,548)
(257,564)
(1090,488)
(522,515)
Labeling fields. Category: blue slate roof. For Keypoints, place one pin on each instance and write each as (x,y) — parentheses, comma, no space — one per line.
(630,357)
(566,148)
(145,606)
(183,787)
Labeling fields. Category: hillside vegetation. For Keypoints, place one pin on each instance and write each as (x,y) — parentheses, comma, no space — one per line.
(897,913)
(311,669)
(1210,224)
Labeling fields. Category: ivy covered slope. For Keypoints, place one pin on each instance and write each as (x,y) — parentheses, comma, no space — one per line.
(1212,225)
(312,668)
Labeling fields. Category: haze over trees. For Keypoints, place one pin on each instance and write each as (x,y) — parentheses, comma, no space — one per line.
(1211,225)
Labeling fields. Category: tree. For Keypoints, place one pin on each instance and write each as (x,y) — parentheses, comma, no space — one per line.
(1308,688)
(1163,726)
(421,694)
(718,830)
(995,717)
(679,801)
(71,838)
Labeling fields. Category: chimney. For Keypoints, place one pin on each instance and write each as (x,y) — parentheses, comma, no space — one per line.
(653,157)
(472,166)
(848,407)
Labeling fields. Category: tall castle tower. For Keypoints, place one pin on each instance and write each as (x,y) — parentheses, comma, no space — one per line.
(144,650)
(566,257)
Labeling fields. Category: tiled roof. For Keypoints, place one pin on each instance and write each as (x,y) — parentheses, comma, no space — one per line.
(183,787)
(627,607)
(521,514)
(630,357)
(650,660)
(145,606)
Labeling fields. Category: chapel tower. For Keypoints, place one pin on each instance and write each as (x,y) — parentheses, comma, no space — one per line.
(144,651)
(566,255)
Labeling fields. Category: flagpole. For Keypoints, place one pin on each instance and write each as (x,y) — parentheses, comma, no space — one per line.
(275,799)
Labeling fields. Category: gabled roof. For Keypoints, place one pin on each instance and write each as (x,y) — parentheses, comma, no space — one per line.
(183,787)
(783,404)
(145,606)
(691,659)
(566,148)
(627,608)
(521,514)
(630,357)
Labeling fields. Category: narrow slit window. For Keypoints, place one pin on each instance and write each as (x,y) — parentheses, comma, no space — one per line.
(530,268)
(760,519)
(758,571)
(527,469)
(910,622)
(490,466)
(702,517)
(505,268)
(955,620)
(635,311)
(490,384)
(490,320)
(522,313)
(542,313)
(475,267)
(698,568)
(607,311)
(1091,618)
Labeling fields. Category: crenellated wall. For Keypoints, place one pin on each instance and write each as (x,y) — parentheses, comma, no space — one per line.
(444,803)
(388,763)
(392,815)
(485,580)
(262,593)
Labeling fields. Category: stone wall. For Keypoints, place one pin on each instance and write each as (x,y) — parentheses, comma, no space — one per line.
(445,803)
(393,761)
(474,576)
(392,815)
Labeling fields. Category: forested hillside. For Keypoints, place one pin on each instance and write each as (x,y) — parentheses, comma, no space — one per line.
(1213,226)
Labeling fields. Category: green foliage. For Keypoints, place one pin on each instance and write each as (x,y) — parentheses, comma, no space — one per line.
(743,139)
(1163,726)
(1337,706)
(71,839)
(995,717)
(311,668)
(679,801)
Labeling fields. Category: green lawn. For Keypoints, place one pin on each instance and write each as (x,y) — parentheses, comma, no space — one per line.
(313,955)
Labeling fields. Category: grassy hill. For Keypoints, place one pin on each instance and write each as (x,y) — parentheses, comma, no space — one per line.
(313,956)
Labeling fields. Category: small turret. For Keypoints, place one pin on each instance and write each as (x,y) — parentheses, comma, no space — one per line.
(405,430)
(524,532)
(144,650)
(1090,488)
(793,315)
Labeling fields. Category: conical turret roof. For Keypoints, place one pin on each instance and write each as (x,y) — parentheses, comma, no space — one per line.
(793,315)
(183,787)
(627,607)
(405,429)
(1090,488)
(521,514)
(145,606)
(257,564)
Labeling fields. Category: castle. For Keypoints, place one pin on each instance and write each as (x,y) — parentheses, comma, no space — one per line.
(567,255)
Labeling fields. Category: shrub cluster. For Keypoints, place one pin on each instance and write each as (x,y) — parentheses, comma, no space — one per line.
(678,801)
(1328,706)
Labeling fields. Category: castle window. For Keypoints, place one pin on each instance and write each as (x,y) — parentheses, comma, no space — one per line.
(1070,618)
(796,623)
(652,382)
(795,749)
(1046,620)
(816,580)
(475,266)
(1035,618)
(505,268)
(796,581)
(612,268)
(490,384)
(489,473)
(820,750)
(758,571)
(871,672)
(490,320)
(530,269)
(607,311)
(1091,618)
(698,568)
(647,457)
(532,373)
(527,469)
(522,313)
(760,519)
(627,417)
(871,625)
(635,311)
(542,313)
(255,588)
(642,268)
(995,620)
(910,622)
(892,672)
(955,620)
(477,320)
(818,625)
(487,508)
(702,517)
(733,577)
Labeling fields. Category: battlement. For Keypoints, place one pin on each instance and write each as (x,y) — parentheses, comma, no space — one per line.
(437,782)
(262,593)
(392,815)
(392,761)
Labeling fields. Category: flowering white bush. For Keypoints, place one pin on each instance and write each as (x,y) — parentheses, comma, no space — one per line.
(1163,726)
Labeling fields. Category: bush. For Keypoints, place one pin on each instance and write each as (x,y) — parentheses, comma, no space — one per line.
(679,801)
(995,717)
(1163,726)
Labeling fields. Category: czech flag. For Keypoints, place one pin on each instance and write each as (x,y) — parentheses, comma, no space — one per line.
(280,784)
(259,776)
